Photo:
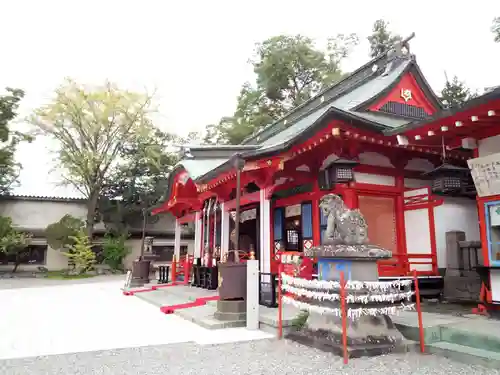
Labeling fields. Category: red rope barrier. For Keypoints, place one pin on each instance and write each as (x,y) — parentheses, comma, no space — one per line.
(419,312)
(344,316)
(280,303)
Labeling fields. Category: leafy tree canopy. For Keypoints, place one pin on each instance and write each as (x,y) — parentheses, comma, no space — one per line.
(60,234)
(9,139)
(455,93)
(289,70)
(92,127)
(12,241)
(138,180)
(495,29)
(381,40)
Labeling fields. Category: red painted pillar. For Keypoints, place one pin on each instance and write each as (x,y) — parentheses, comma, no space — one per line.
(400,219)
(351,198)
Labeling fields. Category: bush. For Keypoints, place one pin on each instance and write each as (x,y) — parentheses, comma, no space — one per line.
(80,253)
(114,250)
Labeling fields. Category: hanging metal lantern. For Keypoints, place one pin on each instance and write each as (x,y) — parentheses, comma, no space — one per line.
(340,170)
(448,178)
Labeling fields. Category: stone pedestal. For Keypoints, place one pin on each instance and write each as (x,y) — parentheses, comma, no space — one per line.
(140,273)
(366,335)
(231,310)
(232,292)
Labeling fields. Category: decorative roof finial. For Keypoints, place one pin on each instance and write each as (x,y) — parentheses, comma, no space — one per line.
(400,49)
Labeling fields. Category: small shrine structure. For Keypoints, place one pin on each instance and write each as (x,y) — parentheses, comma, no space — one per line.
(382,141)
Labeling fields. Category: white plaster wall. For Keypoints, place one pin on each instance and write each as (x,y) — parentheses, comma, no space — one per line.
(39,214)
(495,285)
(375,159)
(413,183)
(375,179)
(33,214)
(418,239)
(419,164)
(135,247)
(455,214)
(489,146)
(54,261)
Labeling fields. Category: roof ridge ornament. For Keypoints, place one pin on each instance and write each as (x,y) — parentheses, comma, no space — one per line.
(401,49)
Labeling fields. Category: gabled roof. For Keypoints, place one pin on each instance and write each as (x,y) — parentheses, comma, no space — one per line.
(351,94)
(346,100)
(487,97)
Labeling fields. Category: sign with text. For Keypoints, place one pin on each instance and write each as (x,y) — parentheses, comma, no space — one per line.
(486,174)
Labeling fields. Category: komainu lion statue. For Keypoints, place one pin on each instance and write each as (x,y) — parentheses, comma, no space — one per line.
(344,226)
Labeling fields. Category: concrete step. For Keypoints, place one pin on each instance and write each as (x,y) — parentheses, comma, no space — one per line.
(479,334)
(465,354)
(159,299)
(204,317)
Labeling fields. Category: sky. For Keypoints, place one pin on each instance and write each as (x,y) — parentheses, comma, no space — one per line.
(194,54)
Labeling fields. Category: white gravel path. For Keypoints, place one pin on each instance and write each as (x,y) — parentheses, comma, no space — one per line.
(268,357)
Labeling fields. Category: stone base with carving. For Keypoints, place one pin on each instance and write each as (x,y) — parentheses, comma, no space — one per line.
(367,336)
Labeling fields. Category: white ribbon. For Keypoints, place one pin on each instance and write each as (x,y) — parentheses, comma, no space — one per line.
(350,298)
(351,313)
(352,285)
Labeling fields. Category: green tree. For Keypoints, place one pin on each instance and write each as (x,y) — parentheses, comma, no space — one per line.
(381,40)
(12,241)
(59,234)
(138,181)
(9,139)
(80,253)
(115,250)
(90,126)
(455,93)
(495,29)
(289,70)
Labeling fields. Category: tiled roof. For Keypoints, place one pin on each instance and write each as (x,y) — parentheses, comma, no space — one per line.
(40,198)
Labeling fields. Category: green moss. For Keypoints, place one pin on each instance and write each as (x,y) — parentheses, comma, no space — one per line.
(300,320)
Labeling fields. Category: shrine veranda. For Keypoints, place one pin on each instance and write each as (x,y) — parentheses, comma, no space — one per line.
(382,141)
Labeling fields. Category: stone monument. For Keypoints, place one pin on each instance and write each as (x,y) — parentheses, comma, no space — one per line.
(370,330)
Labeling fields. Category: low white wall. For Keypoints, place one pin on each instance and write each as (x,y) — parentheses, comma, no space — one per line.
(489,146)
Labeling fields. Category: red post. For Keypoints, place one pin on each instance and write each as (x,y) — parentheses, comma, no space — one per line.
(280,304)
(419,312)
(174,271)
(344,316)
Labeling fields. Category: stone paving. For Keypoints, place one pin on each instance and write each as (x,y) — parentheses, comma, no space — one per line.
(90,317)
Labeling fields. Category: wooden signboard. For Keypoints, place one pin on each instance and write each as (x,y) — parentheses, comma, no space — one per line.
(486,174)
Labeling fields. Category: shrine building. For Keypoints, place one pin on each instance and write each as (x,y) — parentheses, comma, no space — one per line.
(380,139)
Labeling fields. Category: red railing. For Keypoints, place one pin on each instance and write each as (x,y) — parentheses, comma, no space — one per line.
(403,264)
(399,265)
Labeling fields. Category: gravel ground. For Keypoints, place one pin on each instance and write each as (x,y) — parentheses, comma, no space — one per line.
(257,357)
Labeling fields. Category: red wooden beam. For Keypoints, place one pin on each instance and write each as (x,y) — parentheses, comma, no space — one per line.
(245,199)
